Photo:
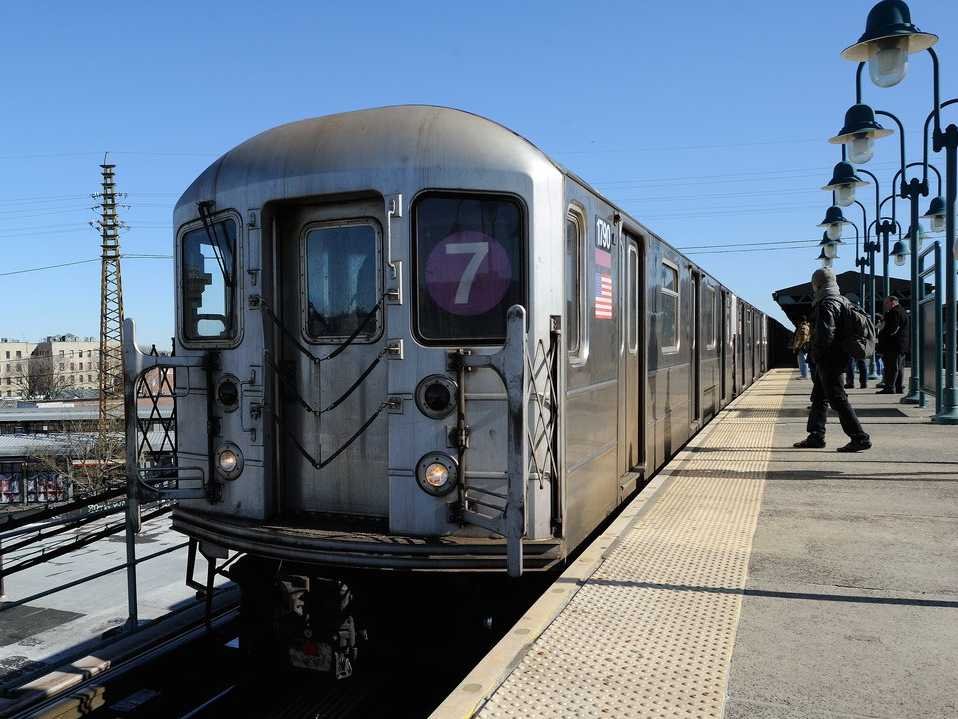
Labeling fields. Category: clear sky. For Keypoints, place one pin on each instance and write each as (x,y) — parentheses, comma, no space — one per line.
(706,120)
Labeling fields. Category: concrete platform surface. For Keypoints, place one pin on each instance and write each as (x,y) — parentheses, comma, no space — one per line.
(751,579)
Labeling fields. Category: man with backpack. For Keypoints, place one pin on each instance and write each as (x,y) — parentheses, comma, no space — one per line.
(840,329)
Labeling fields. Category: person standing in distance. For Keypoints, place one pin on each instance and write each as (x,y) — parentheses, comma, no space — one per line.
(893,344)
(800,342)
(829,313)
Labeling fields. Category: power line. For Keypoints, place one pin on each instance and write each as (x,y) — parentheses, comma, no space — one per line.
(83,262)
(98,153)
(748,244)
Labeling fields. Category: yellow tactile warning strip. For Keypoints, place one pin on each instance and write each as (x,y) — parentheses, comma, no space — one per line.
(650,632)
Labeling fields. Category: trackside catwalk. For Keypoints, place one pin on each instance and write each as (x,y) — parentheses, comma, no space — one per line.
(750,579)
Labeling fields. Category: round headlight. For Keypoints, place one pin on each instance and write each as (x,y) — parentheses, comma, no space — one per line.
(437,473)
(229,461)
(228,393)
(436,396)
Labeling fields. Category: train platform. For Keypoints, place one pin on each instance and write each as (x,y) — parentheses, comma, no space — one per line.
(751,579)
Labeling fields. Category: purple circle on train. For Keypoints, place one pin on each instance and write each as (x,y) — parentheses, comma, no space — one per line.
(468,273)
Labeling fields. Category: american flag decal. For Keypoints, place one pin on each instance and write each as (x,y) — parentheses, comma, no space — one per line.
(603,296)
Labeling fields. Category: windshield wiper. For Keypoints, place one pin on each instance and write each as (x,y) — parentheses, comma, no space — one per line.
(219,252)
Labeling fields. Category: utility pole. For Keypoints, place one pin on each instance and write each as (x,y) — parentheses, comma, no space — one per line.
(111,321)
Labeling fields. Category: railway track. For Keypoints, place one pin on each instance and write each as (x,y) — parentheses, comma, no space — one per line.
(406,671)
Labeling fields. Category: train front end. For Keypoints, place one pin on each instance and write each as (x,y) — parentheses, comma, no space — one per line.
(368,350)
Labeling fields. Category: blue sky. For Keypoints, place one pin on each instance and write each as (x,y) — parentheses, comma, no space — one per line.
(705,120)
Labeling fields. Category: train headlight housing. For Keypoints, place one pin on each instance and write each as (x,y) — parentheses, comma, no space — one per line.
(228,393)
(436,396)
(228,461)
(437,473)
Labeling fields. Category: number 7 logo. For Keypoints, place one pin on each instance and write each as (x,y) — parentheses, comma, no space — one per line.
(479,252)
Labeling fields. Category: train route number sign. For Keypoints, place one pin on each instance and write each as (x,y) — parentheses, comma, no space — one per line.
(468,273)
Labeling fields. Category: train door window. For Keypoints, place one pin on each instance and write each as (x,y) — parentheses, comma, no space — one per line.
(632,311)
(342,280)
(209,281)
(709,318)
(669,307)
(574,298)
(470,266)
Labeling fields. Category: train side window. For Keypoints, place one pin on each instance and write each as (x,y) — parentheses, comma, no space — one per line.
(470,254)
(669,308)
(574,299)
(209,281)
(342,285)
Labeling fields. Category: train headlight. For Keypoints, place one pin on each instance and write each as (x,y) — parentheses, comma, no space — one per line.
(437,473)
(229,461)
(436,396)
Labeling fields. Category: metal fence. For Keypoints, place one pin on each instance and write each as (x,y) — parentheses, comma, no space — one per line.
(930,327)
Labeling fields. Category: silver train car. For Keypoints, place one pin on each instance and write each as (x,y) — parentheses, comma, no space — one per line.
(408,340)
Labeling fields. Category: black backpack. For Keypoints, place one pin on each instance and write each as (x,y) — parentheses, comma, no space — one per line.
(858,331)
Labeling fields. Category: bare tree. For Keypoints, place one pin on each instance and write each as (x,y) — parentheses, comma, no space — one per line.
(39,379)
(88,461)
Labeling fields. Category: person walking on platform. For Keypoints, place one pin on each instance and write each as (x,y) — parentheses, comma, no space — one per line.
(830,321)
(800,342)
(893,344)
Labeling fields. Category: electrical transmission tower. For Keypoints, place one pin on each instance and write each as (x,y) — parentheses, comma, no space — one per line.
(111,317)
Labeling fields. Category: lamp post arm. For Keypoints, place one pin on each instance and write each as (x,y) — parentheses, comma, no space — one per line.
(891,197)
(904,184)
(858,83)
(864,218)
(877,191)
(901,141)
(936,89)
(934,115)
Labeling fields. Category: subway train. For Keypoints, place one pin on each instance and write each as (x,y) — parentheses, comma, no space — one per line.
(407,341)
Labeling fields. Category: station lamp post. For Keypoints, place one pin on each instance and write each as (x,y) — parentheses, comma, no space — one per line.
(889,38)
(936,214)
(844,182)
(829,249)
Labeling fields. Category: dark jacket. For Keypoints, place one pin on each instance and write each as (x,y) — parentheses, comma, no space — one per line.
(826,346)
(894,332)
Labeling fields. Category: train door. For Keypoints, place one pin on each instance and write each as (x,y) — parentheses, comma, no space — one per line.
(723,348)
(328,281)
(634,313)
(742,347)
(695,382)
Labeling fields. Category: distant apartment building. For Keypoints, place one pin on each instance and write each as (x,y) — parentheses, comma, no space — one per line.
(65,364)
(14,366)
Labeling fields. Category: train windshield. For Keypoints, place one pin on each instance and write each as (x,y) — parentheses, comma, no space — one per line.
(469,265)
(341,280)
(209,266)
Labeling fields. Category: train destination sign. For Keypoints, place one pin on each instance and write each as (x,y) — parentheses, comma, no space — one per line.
(468,273)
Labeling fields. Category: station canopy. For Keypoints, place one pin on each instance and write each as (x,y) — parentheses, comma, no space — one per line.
(796,302)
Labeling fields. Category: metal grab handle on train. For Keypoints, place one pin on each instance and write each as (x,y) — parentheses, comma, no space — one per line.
(511,366)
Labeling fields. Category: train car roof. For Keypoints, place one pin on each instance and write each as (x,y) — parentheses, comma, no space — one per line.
(421,135)
(413,135)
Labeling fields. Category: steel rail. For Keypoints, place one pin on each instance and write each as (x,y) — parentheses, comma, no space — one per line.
(163,647)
